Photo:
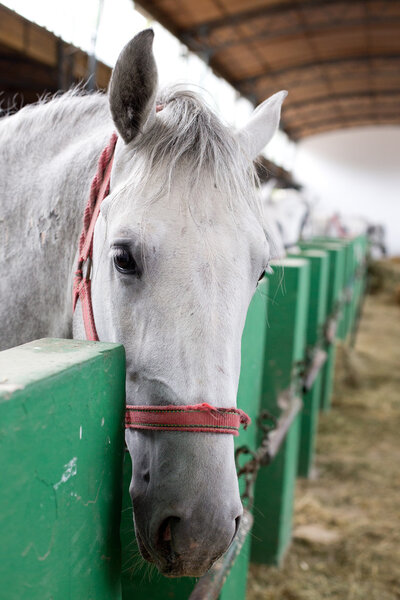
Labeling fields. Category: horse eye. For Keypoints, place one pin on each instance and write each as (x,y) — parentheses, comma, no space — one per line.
(262,275)
(124,262)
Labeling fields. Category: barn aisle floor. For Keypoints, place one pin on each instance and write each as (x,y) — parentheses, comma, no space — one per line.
(346,529)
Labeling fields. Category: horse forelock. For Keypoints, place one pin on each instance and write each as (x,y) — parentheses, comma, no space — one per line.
(188,137)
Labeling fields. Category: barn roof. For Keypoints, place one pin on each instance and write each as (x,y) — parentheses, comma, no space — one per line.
(34,61)
(339,59)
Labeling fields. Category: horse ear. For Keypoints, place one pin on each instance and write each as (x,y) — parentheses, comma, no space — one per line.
(133,87)
(262,125)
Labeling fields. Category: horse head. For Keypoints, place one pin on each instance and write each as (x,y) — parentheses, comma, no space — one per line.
(179,247)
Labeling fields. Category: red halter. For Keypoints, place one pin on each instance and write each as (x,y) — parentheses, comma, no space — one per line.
(99,189)
(195,418)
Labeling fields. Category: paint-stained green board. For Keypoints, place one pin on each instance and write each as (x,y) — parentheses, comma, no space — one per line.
(348,273)
(287,317)
(336,254)
(286,343)
(249,399)
(350,289)
(61,446)
(360,246)
(347,244)
(138,579)
(319,264)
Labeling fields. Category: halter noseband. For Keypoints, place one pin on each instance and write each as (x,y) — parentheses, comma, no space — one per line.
(196,417)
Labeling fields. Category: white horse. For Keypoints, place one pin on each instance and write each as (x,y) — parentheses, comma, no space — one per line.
(178,249)
(287,213)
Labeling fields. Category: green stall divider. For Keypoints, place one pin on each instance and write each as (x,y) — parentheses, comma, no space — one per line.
(354,280)
(286,343)
(360,254)
(336,254)
(348,289)
(319,263)
(249,399)
(347,244)
(62,405)
(143,581)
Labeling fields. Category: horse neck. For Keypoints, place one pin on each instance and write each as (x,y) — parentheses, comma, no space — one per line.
(49,157)
(56,143)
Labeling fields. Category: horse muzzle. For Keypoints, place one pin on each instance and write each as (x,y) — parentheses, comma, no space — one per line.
(187,546)
(184,487)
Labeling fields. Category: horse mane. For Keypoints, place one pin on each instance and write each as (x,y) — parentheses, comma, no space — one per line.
(74,107)
(186,135)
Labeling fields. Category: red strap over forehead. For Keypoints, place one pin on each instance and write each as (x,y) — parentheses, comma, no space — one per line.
(196,417)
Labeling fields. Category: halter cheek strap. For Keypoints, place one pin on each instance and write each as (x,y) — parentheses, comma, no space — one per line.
(99,189)
(196,417)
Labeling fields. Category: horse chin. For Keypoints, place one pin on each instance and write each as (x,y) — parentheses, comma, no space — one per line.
(178,567)
(182,569)
(142,548)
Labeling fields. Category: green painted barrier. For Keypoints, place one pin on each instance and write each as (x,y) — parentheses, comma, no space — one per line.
(349,282)
(249,399)
(347,246)
(140,580)
(319,263)
(285,348)
(360,254)
(336,254)
(348,289)
(62,406)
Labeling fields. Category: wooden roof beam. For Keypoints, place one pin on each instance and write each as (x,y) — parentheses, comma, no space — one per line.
(334,126)
(291,31)
(29,85)
(370,93)
(350,117)
(317,64)
(238,18)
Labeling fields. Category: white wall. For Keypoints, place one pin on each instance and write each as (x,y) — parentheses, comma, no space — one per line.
(356,172)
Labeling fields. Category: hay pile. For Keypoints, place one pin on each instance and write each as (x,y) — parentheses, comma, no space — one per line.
(347,527)
(385,277)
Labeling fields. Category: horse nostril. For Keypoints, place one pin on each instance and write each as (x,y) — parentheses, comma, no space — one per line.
(237,525)
(146,476)
(164,535)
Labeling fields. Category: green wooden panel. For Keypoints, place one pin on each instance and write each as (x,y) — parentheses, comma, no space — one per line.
(274,500)
(348,279)
(249,398)
(62,406)
(287,317)
(319,263)
(344,326)
(360,245)
(352,287)
(336,268)
(286,342)
(309,427)
(336,253)
(138,579)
